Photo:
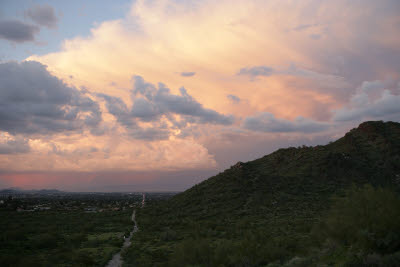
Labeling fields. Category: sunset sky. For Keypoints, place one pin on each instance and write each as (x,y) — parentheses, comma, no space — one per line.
(159,95)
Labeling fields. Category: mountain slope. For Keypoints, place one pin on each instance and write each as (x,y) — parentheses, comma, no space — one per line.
(264,210)
(367,154)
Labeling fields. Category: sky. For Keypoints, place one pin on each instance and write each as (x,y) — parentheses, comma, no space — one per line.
(159,95)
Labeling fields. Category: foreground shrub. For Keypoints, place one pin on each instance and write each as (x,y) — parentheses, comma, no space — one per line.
(364,225)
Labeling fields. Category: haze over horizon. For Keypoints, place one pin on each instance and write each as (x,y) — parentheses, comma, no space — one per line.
(160,95)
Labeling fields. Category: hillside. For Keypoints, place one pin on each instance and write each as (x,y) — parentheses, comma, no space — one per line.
(367,154)
(269,204)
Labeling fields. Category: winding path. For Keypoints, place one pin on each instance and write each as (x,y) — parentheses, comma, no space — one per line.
(116,260)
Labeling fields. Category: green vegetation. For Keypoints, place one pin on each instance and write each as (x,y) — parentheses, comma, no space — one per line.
(60,238)
(333,205)
(274,211)
(362,228)
(66,234)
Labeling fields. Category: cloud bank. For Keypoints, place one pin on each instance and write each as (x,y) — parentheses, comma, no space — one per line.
(32,101)
(164,110)
(268,72)
(13,145)
(47,125)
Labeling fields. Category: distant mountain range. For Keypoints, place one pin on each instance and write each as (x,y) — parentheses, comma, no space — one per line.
(15,190)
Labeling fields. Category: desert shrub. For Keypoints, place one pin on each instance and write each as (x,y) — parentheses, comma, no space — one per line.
(45,240)
(192,253)
(77,238)
(168,235)
(84,259)
(367,218)
(391,260)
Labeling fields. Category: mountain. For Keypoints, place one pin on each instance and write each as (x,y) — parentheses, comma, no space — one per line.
(367,154)
(264,210)
(18,191)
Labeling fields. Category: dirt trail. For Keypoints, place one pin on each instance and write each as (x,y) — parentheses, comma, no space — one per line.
(116,260)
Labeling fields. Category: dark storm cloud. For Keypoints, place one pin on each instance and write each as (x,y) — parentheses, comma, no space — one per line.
(233,98)
(118,108)
(19,145)
(266,122)
(256,71)
(158,101)
(43,15)
(34,101)
(188,74)
(17,31)
(145,110)
(150,103)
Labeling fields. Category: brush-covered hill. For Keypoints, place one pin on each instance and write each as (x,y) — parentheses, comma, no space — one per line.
(367,154)
(264,211)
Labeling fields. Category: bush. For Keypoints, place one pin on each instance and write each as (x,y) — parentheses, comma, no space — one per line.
(83,258)
(46,241)
(192,252)
(367,219)
(391,260)
(77,238)
(168,235)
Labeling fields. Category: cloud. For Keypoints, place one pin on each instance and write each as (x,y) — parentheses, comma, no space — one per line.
(151,104)
(233,98)
(304,27)
(162,101)
(241,34)
(315,36)
(145,110)
(17,31)
(43,15)
(371,101)
(9,145)
(359,41)
(256,71)
(32,101)
(150,134)
(116,153)
(117,107)
(188,74)
(266,122)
